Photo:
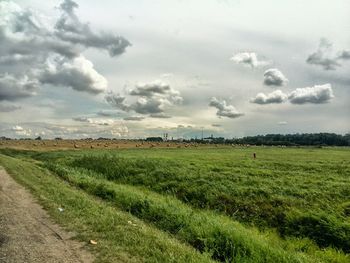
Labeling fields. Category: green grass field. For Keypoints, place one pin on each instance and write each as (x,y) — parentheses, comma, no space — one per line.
(199,204)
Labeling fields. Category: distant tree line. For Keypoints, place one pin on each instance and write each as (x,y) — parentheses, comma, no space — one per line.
(154,139)
(299,139)
(303,139)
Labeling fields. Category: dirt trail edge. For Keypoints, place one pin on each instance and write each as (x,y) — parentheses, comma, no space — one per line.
(27,234)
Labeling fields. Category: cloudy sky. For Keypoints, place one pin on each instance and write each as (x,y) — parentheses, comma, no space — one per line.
(131,69)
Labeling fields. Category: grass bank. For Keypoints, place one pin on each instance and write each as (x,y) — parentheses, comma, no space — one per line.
(121,237)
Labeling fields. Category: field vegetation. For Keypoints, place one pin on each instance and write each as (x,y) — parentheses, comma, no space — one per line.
(198,204)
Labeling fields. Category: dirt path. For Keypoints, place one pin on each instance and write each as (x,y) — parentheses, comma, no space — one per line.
(26,232)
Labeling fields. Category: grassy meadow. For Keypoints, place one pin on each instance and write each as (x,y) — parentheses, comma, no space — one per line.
(205,204)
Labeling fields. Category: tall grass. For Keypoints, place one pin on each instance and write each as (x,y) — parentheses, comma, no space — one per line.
(224,239)
(294,212)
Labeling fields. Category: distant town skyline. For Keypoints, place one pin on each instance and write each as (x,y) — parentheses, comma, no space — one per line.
(134,69)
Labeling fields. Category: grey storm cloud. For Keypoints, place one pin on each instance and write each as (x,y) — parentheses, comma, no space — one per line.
(345,55)
(249,59)
(160,116)
(117,101)
(14,87)
(152,99)
(157,89)
(8,107)
(276,96)
(322,57)
(317,94)
(134,118)
(148,105)
(274,77)
(224,110)
(151,89)
(70,28)
(33,51)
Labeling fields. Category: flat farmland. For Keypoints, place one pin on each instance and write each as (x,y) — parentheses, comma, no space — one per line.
(178,202)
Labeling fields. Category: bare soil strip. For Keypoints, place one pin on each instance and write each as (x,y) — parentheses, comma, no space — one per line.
(27,234)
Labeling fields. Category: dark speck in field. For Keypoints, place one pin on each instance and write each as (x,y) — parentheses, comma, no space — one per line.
(3,239)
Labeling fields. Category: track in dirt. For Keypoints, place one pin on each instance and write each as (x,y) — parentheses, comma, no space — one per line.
(26,232)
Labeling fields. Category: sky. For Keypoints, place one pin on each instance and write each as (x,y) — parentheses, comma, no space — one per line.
(133,69)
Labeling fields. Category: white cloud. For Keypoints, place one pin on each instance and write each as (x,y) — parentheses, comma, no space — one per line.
(153,98)
(224,110)
(317,94)
(274,77)
(249,59)
(34,51)
(119,131)
(78,73)
(276,96)
(19,130)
